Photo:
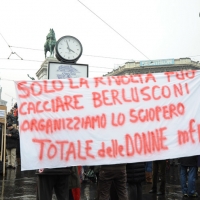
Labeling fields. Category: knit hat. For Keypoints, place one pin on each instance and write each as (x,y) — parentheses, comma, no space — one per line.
(9,125)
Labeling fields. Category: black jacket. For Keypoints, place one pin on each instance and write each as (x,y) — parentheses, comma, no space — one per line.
(10,118)
(135,172)
(189,161)
(13,140)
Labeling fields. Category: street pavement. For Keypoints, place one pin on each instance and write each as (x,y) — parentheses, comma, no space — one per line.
(21,185)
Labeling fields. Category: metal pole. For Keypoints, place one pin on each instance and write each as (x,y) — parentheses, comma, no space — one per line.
(3,142)
(2,139)
(4,155)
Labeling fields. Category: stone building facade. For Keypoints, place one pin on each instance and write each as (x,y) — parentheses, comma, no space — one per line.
(155,66)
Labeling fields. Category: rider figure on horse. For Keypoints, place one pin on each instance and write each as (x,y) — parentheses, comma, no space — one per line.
(50,43)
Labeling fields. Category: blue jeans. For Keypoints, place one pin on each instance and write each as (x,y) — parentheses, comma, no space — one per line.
(148,166)
(189,188)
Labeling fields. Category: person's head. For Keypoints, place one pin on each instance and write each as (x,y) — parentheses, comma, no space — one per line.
(15,106)
(9,126)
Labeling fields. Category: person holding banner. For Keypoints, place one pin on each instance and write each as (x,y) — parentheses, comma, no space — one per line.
(18,151)
(188,169)
(159,165)
(109,174)
(148,172)
(135,177)
(75,183)
(12,137)
(56,179)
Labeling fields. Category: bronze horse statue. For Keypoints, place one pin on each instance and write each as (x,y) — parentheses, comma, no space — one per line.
(50,43)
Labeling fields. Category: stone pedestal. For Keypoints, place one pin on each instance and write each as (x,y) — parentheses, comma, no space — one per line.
(42,73)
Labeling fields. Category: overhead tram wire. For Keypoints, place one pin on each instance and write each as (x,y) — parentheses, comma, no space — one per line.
(107,57)
(90,55)
(114,30)
(20,60)
(42,61)
(27,48)
(6,42)
(15,69)
(10,49)
(193,56)
(82,54)
(37,69)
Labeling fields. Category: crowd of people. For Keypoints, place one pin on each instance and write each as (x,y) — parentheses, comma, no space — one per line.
(114,182)
(120,181)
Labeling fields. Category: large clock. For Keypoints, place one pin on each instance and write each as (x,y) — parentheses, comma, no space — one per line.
(68,49)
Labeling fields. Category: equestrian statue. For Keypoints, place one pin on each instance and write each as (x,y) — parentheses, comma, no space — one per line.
(50,43)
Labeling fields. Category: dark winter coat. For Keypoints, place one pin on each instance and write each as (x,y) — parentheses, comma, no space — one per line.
(189,161)
(135,172)
(74,179)
(13,140)
(11,119)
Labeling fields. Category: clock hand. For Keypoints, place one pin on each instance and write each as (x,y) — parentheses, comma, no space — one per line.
(71,50)
(67,44)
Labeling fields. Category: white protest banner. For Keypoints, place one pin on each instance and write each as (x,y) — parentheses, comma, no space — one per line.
(109,120)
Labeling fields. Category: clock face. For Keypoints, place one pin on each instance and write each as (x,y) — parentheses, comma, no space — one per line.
(68,48)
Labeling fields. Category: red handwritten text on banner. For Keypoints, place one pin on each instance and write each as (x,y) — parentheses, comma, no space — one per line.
(108,120)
